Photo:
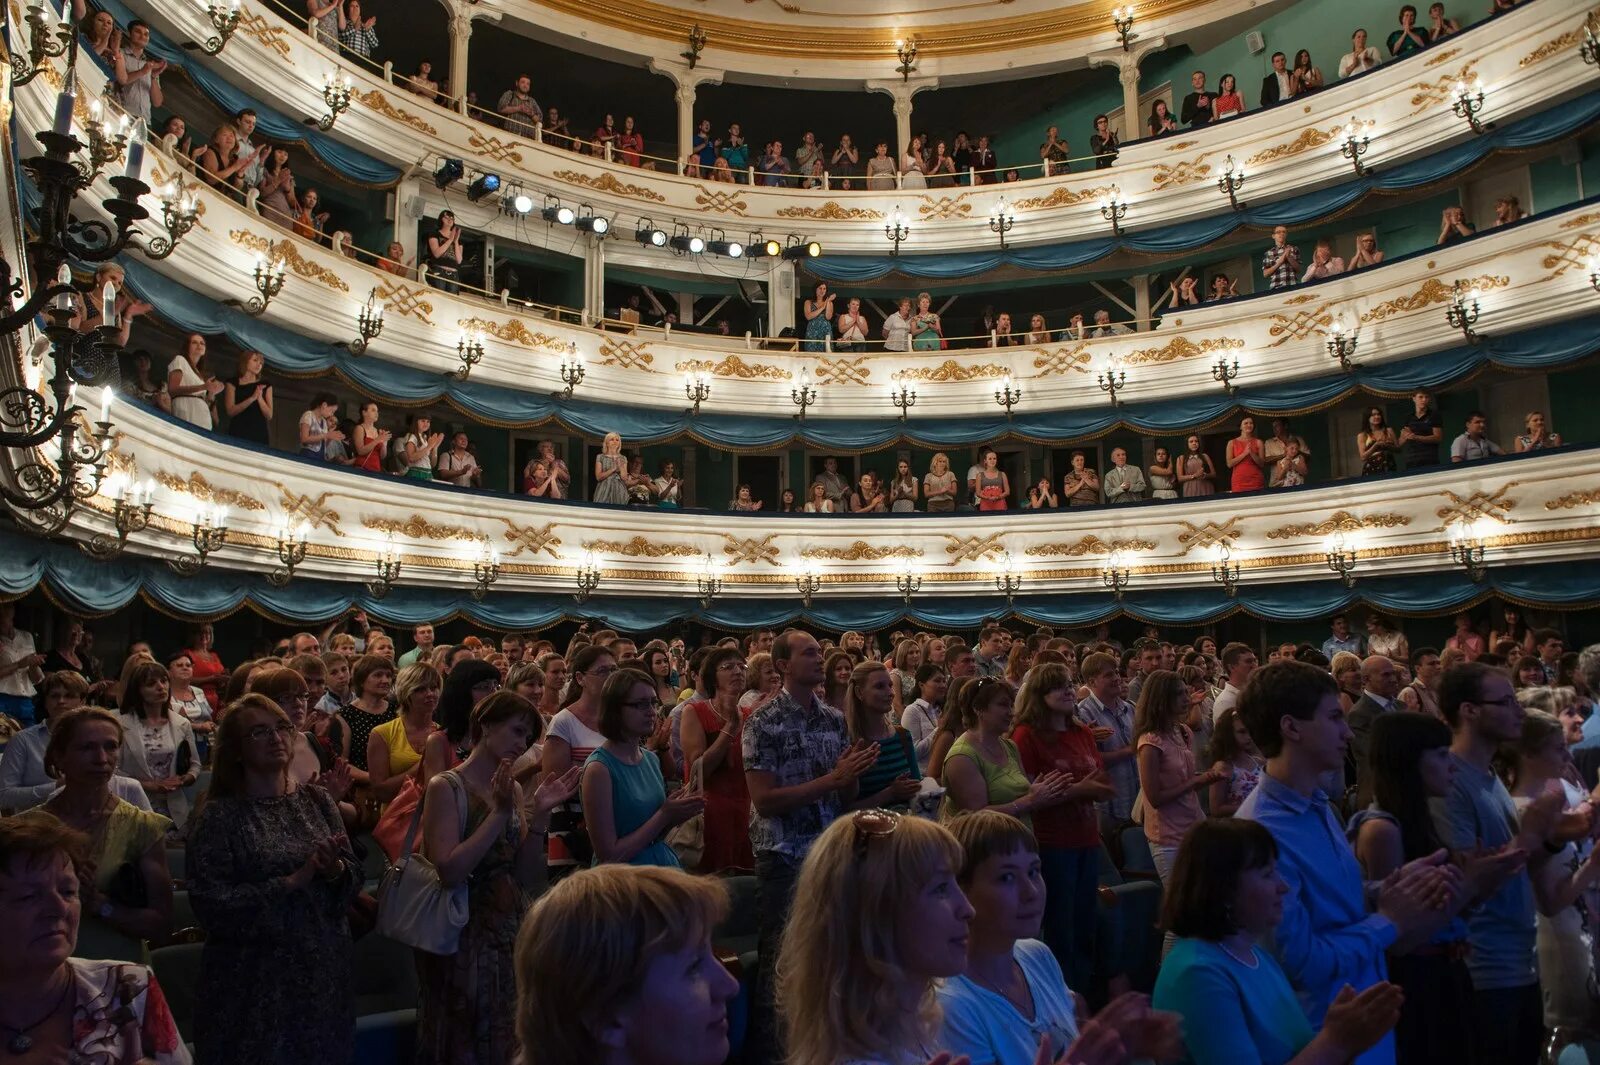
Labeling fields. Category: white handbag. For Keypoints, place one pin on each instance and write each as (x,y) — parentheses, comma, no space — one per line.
(414,908)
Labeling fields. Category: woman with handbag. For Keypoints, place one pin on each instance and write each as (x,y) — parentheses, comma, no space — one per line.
(271,876)
(481,835)
(710,731)
(160,752)
(128,896)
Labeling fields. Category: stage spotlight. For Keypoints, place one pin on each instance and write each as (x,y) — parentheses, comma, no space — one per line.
(449,171)
(590,222)
(731,248)
(522,203)
(648,235)
(482,186)
(808,250)
(765,249)
(688,242)
(555,212)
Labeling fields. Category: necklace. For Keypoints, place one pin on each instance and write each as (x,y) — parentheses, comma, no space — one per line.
(22,1042)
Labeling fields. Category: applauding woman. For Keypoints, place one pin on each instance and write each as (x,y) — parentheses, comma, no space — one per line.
(1246,462)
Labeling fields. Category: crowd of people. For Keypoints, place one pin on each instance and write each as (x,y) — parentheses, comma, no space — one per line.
(1383,854)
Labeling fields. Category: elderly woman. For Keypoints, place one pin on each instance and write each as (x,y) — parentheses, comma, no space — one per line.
(81,1010)
(271,875)
(130,897)
(161,753)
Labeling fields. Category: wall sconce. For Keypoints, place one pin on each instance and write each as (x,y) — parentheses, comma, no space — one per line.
(1111,381)
(572,370)
(1342,560)
(1224,571)
(40,44)
(587,577)
(1122,19)
(179,212)
(291,552)
(1354,146)
(130,513)
(806,582)
(1462,313)
(697,44)
(907,582)
(224,20)
(1467,551)
(1594,274)
(804,394)
(907,51)
(1008,579)
(369,321)
(388,567)
(1469,104)
(897,230)
(1342,344)
(707,583)
(1113,209)
(470,350)
(1224,372)
(208,532)
(1002,220)
(904,397)
(106,141)
(485,571)
(1115,575)
(1007,395)
(336,94)
(268,279)
(1589,49)
(697,387)
(1231,181)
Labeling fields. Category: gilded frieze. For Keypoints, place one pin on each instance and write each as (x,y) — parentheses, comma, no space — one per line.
(1573,500)
(605,182)
(1431,93)
(1464,510)
(513,332)
(316,513)
(286,252)
(1063,197)
(380,103)
(972,548)
(1563,43)
(933,210)
(1432,292)
(861,551)
(1308,139)
(1051,362)
(1185,173)
(405,300)
(197,486)
(832,212)
(418,527)
(496,149)
(639,547)
(733,366)
(721,202)
(271,35)
(950,370)
(1088,545)
(750,549)
(1181,348)
(1299,325)
(1575,254)
(1208,535)
(533,541)
(1340,521)
(843,371)
(628,354)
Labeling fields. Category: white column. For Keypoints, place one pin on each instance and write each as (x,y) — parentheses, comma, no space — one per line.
(901,92)
(780,296)
(461,17)
(686,82)
(594,278)
(1141,301)
(1127,64)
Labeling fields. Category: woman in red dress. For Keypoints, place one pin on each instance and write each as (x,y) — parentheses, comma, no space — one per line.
(209,672)
(1245,458)
(710,733)
(371,443)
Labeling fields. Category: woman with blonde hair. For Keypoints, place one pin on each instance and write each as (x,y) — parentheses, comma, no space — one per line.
(395,747)
(877,919)
(893,779)
(939,485)
(761,682)
(615,964)
(907,660)
(610,470)
(1346,670)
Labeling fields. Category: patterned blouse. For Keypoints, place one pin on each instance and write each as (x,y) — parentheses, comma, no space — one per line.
(115,1001)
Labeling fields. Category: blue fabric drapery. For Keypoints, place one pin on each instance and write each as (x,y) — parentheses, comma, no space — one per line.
(271,125)
(1551,125)
(99,588)
(1541,348)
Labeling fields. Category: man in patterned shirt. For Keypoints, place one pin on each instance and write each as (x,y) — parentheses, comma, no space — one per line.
(801,769)
(1281,263)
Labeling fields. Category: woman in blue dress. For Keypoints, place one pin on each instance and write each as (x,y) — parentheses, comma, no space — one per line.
(819,319)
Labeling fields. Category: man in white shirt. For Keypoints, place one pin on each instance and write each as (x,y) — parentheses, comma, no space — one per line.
(1360,58)
(1238,662)
(20,667)
(459,466)
(1123,483)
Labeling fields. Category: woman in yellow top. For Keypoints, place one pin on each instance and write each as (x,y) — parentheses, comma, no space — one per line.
(983,770)
(395,747)
(132,894)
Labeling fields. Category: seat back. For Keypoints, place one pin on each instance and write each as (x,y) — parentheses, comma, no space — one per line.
(385,975)
(177,969)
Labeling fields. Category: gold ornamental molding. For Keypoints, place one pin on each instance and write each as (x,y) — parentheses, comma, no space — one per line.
(933,210)
(639,547)
(1308,139)
(609,183)
(843,371)
(1185,173)
(628,354)
(1479,505)
(1181,145)
(733,366)
(1299,325)
(197,486)
(720,202)
(1429,93)
(380,103)
(1581,220)
(1062,198)
(531,540)
(1341,521)
(861,551)
(972,548)
(1208,535)
(1560,44)
(1569,255)
(1089,545)
(1433,291)
(513,332)
(269,34)
(418,527)
(314,512)
(1050,363)
(1443,57)
(1181,348)
(286,252)
(950,370)
(1304,297)
(495,148)
(750,549)
(405,300)
(832,212)
(1573,500)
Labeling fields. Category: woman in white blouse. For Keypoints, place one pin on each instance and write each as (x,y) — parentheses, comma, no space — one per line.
(819,503)
(912,174)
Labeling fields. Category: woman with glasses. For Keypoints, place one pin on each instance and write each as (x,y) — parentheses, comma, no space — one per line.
(711,732)
(625,803)
(270,876)
(288,689)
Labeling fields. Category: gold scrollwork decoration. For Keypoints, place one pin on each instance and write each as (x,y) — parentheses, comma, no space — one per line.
(1564,42)
(628,354)
(495,148)
(1208,535)
(1581,220)
(270,35)
(609,183)
(1429,93)
(639,547)
(1432,292)
(1090,544)
(418,527)
(832,212)
(1464,510)
(721,202)
(1443,57)
(532,540)
(314,512)
(843,371)
(1308,139)
(950,370)
(749,549)
(1182,348)
(380,103)
(284,251)
(406,301)
(861,551)
(1179,146)
(1573,500)
(1062,197)
(1052,361)
(513,332)
(1299,325)
(1304,297)
(1339,521)
(1185,173)
(933,210)
(733,366)
(197,486)
(1569,255)
(972,548)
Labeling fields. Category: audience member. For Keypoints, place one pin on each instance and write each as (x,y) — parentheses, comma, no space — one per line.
(1361,57)
(1474,444)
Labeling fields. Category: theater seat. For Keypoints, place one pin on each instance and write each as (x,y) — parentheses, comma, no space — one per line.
(385,976)
(739,931)
(1128,941)
(1137,862)
(100,941)
(386,1038)
(177,863)
(185,926)
(177,968)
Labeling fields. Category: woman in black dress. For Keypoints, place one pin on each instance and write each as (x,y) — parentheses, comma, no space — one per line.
(249,401)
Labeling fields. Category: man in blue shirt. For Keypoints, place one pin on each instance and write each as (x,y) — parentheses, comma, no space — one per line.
(1328,937)
(1481,708)
(1342,639)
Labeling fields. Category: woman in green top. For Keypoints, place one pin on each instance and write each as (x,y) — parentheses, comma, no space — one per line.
(983,770)
(927,334)
(625,801)
(893,779)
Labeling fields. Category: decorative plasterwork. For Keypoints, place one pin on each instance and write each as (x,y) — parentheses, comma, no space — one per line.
(832,211)
(533,541)
(843,371)
(1089,545)
(1185,173)
(1479,505)
(1052,361)
(1308,139)
(1299,325)
(1433,291)
(417,527)
(639,547)
(496,149)
(1564,42)
(861,551)
(1575,254)
(1340,521)
(410,301)
(950,370)
(972,548)
(733,366)
(287,251)
(1208,535)
(380,103)
(931,209)
(1430,93)
(1062,197)
(1181,348)
(604,182)
(1584,498)
(750,549)
(197,486)
(629,354)
(720,202)
(1443,57)
(314,512)
(513,332)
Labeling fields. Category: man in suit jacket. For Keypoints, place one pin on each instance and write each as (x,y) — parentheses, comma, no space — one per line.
(1380,684)
(1276,87)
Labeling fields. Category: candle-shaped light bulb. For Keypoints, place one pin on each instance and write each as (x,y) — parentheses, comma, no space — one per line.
(108,304)
(64,103)
(135,168)
(105,403)
(1005,383)
(95,108)
(222,516)
(377,310)
(64,277)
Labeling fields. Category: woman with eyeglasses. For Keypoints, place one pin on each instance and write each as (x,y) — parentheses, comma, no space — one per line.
(288,689)
(711,731)
(270,876)
(625,803)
